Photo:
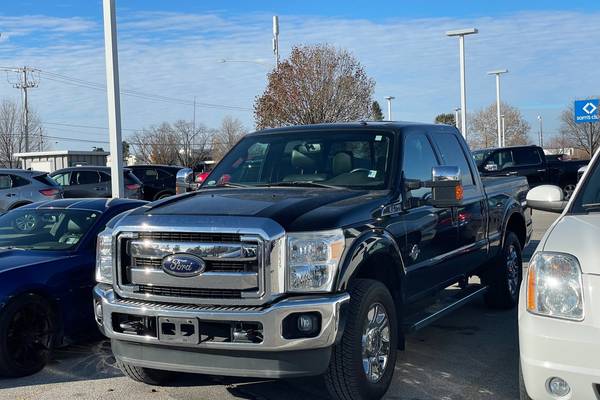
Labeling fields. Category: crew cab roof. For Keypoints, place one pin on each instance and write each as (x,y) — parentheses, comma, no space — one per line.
(355,126)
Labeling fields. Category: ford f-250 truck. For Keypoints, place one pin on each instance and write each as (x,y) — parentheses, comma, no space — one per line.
(310,250)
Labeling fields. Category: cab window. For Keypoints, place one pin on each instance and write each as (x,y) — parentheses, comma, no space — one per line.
(419,159)
(452,154)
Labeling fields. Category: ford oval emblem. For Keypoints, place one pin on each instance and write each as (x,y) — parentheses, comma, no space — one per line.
(183,265)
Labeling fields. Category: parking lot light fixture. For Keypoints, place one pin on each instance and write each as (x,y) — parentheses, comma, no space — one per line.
(497,73)
(461,33)
(389,104)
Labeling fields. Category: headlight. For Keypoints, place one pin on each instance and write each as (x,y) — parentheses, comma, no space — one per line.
(554,286)
(313,259)
(104,259)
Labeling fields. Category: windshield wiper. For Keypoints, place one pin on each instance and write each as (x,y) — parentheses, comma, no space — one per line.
(591,206)
(302,184)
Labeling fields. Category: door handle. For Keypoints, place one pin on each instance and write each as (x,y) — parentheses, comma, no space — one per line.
(541,170)
(511,173)
(99,188)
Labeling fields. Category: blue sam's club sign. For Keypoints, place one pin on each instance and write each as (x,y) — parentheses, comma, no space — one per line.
(586,110)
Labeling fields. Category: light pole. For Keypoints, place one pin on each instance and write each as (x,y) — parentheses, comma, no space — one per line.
(539,117)
(461,33)
(503,131)
(276,39)
(456,116)
(498,72)
(389,102)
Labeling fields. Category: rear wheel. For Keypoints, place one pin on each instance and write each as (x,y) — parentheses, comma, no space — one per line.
(362,364)
(568,190)
(504,277)
(27,335)
(148,376)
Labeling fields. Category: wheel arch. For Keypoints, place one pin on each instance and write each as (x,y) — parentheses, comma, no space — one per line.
(515,222)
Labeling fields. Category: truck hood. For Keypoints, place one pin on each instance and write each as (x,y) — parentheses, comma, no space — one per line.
(11,259)
(577,235)
(293,208)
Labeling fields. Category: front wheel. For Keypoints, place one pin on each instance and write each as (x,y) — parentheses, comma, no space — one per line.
(504,277)
(148,376)
(362,364)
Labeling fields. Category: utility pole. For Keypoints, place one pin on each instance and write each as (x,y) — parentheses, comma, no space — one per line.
(498,72)
(539,117)
(389,104)
(276,39)
(113,97)
(26,81)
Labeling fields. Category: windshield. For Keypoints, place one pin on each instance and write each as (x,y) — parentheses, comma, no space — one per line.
(588,199)
(45,229)
(480,155)
(321,159)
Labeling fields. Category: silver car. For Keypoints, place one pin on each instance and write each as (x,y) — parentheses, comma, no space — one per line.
(19,187)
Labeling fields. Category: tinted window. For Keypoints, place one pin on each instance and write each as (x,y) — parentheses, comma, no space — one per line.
(5,182)
(18,181)
(162,174)
(419,159)
(503,159)
(527,156)
(588,199)
(149,175)
(453,154)
(63,179)
(86,177)
(104,177)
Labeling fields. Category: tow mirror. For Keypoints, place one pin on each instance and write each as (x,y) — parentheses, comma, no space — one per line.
(491,167)
(547,198)
(446,186)
(184,181)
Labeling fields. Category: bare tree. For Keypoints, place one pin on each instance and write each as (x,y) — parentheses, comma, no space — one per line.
(484,127)
(230,132)
(12,139)
(315,84)
(585,136)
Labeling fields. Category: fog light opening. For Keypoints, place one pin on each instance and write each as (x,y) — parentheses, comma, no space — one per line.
(558,387)
(307,323)
(98,311)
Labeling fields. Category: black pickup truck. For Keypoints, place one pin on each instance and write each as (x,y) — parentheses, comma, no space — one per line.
(532,163)
(310,250)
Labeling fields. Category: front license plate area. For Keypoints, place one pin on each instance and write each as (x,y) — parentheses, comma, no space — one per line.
(178,330)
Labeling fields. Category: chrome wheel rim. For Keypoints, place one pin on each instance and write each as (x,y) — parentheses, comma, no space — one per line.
(376,342)
(568,190)
(512,267)
(26,223)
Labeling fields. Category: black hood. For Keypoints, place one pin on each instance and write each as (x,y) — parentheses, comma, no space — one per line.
(295,209)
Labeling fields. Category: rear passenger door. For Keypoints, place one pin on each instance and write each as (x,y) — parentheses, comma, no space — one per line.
(86,183)
(471,217)
(530,165)
(428,233)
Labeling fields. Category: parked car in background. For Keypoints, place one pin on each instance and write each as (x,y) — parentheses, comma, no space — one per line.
(94,181)
(47,259)
(559,304)
(530,162)
(19,187)
(310,250)
(159,180)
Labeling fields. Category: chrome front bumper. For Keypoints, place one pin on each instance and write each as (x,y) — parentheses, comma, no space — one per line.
(271,317)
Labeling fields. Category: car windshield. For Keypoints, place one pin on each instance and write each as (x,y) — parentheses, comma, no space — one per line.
(313,159)
(480,155)
(588,199)
(45,229)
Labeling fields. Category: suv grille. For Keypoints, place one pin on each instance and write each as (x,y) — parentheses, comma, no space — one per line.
(214,266)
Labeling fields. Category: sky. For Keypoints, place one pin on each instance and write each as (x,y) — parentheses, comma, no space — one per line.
(171,52)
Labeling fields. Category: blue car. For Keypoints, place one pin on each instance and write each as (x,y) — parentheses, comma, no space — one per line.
(47,263)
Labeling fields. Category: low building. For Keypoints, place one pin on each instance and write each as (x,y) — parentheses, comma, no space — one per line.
(50,161)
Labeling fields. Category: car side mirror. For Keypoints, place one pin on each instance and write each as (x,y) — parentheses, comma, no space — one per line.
(184,181)
(446,186)
(547,198)
(491,167)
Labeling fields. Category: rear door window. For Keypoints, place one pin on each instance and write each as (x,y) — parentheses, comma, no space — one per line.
(86,177)
(63,179)
(5,182)
(452,154)
(527,156)
(18,181)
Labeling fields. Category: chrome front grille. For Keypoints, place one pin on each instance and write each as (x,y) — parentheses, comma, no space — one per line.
(235,267)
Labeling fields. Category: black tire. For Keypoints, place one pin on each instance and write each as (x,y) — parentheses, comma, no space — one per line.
(163,195)
(568,190)
(522,390)
(504,277)
(346,378)
(27,335)
(149,376)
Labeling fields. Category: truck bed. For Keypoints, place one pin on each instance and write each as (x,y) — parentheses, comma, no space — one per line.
(515,186)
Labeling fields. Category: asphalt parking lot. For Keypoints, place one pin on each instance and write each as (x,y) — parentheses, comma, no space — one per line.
(470,354)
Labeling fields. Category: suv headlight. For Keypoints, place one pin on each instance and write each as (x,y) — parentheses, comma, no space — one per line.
(313,259)
(104,259)
(554,286)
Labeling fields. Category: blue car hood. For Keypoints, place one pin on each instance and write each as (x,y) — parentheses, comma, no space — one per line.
(10,259)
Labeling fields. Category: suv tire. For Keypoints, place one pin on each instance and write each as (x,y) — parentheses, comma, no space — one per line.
(504,277)
(149,376)
(356,370)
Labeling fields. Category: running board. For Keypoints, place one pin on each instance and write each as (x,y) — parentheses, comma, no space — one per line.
(448,301)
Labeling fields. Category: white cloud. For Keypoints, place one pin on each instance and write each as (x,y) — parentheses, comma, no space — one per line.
(551,57)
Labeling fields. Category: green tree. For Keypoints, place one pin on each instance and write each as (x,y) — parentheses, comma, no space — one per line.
(376,113)
(447,118)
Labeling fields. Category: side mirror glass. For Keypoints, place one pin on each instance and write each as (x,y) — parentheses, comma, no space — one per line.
(184,181)
(491,167)
(446,186)
(547,198)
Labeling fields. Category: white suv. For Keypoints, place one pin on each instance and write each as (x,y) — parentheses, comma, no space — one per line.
(559,306)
